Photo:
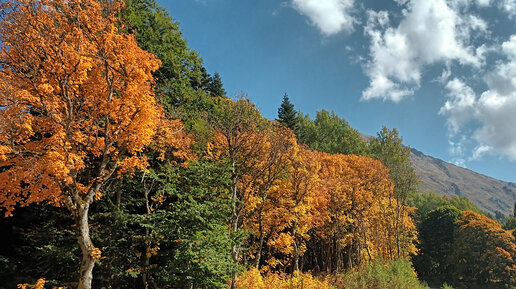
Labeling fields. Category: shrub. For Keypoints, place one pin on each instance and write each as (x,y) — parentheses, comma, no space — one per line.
(397,274)
(252,279)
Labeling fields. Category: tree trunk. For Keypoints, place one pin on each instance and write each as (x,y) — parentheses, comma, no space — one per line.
(260,248)
(260,228)
(235,248)
(234,226)
(296,249)
(87,262)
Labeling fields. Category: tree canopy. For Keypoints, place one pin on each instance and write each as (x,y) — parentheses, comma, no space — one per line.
(114,136)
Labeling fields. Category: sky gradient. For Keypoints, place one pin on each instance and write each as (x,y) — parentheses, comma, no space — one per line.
(442,72)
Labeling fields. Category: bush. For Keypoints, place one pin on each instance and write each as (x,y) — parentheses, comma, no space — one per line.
(252,279)
(397,274)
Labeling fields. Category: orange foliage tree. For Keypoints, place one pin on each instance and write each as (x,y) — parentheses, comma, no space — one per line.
(360,213)
(483,253)
(76,106)
(343,204)
(277,145)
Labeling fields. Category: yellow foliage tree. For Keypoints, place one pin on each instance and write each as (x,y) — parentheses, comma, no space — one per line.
(296,206)
(276,147)
(239,143)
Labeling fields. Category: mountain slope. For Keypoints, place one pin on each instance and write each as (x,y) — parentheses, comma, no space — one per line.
(444,178)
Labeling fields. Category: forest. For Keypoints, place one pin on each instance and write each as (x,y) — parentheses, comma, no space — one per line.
(124,164)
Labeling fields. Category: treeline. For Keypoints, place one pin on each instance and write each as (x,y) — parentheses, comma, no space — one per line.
(460,245)
(130,168)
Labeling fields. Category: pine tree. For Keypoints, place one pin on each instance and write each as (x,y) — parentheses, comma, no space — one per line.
(286,113)
(514,213)
(215,85)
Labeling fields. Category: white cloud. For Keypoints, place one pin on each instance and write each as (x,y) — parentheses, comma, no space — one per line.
(460,162)
(508,6)
(483,3)
(445,75)
(477,23)
(479,151)
(330,16)
(430,32)
(494,110)
(460,105)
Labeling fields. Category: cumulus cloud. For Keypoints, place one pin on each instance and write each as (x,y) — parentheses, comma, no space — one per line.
(508,6)
(431,31)
(460,106)
(494,110)
(330,16)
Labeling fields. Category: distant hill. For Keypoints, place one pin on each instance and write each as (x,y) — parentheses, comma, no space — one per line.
(444,178)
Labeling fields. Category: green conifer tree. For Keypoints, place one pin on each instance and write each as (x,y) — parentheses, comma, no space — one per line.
(286,114)
(215,85)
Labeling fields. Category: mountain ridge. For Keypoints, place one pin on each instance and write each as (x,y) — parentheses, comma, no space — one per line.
(446,179)
(443,178)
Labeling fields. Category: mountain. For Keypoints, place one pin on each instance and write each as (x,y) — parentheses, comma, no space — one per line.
(443,178)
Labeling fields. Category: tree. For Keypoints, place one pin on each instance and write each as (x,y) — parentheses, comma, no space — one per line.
(238,143)
(287,116)
(509,224)
(181,74)
(78,106)
(170,228)
(294,208)
(484,254)
(436,236)
(278,145)
(388,148)
(426,202)
(329,133)
(215,85)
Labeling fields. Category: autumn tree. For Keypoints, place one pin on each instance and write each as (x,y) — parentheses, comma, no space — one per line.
(77,106)
(294,209)
(483,253)
(277,146)
(238,143)
(359,215)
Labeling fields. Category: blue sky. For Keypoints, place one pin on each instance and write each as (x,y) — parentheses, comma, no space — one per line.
(443,72)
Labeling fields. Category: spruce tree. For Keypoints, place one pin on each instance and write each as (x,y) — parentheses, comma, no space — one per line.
(215,85)
(286,113)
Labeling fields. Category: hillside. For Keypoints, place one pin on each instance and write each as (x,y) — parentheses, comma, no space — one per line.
(446,179)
